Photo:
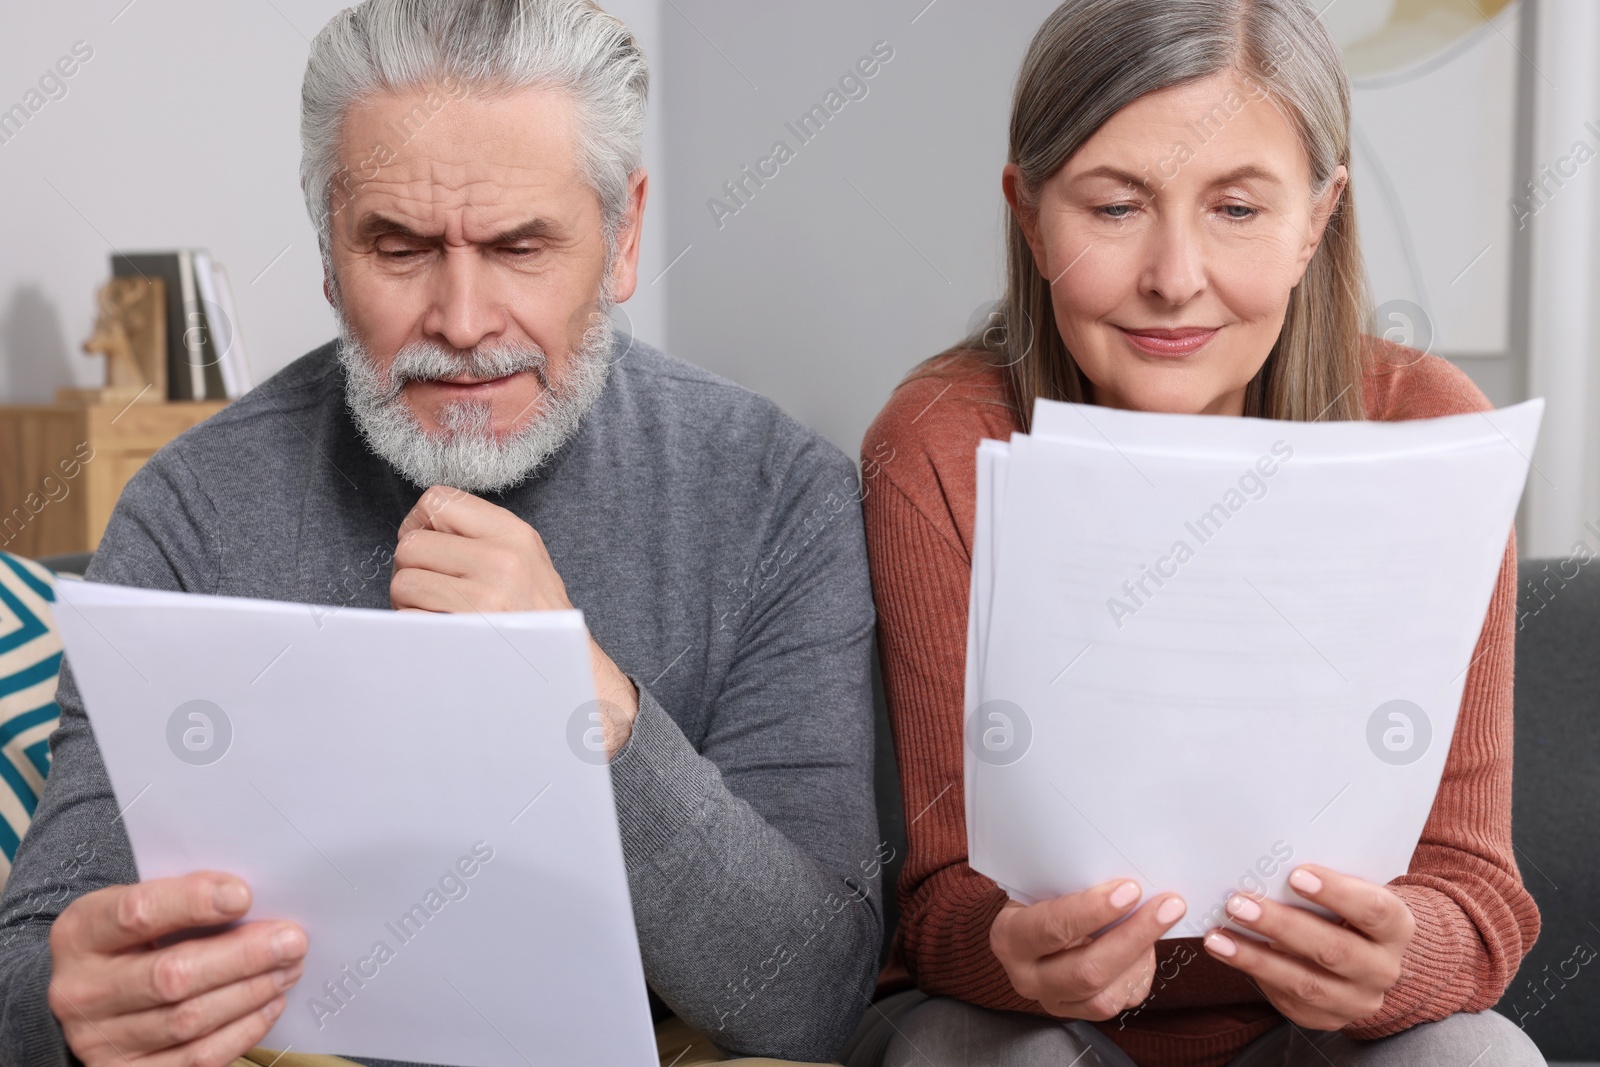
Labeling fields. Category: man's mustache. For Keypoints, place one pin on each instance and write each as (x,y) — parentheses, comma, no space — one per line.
(425,362)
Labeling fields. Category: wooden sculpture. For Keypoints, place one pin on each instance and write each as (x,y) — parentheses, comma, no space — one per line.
(131,332)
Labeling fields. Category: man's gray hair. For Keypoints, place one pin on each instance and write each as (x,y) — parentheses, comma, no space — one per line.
(479,46)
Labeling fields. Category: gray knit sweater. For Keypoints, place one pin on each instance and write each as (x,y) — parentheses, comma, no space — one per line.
(715,547)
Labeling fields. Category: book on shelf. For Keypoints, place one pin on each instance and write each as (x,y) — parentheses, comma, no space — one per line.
(205,349)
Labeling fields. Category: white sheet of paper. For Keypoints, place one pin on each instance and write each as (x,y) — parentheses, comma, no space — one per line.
(361,763)
(992,456)
(1231,718)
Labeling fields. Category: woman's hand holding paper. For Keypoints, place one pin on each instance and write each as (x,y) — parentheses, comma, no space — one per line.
(1321,974)
(1051,955)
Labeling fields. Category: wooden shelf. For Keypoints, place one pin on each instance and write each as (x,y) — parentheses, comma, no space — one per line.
(63,465)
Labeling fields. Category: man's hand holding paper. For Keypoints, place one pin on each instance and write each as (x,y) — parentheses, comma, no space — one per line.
(120,996)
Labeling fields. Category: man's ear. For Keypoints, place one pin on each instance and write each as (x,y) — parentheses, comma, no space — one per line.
(625,272)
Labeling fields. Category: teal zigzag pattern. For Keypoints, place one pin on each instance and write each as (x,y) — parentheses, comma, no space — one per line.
(30,658)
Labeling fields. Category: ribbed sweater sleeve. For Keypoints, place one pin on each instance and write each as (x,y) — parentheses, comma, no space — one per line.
(1475,920)
(920,575)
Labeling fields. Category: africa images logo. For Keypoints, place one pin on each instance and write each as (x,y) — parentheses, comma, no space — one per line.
(199,733)
(1399,732)
(999,733)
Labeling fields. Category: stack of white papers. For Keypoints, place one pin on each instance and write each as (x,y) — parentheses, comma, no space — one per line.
(425,794)
(1203,650)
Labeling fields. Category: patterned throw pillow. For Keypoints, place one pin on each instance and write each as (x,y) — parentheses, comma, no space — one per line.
(30,657)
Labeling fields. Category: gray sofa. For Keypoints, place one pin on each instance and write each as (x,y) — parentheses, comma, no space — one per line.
(1555,812)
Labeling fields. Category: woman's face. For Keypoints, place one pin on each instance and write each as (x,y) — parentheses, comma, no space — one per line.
(1172,239)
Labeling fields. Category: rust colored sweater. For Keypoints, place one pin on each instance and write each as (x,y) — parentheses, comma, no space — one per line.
(1475,921)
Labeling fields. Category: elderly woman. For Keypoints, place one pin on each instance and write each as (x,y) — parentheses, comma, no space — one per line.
(1182,239)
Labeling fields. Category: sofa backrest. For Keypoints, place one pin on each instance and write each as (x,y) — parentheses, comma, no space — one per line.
(891,816)
(1555,812)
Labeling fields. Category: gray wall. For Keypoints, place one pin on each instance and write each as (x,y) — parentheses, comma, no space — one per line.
(180,131)
(871,248)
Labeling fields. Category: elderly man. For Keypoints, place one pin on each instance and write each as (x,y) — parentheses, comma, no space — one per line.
(477,440)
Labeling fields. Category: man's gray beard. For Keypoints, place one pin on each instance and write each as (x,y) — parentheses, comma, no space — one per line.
(467,455)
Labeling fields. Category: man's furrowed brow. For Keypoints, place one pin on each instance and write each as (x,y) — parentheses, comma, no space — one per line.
(532,229)
(378,225)
(375,225)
